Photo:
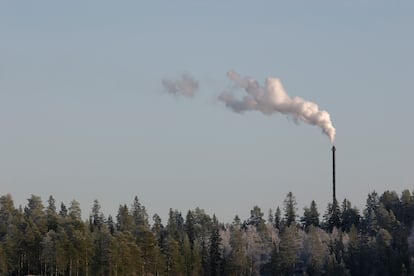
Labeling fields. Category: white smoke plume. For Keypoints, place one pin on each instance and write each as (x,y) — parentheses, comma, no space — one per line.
(185,86)
(272,98)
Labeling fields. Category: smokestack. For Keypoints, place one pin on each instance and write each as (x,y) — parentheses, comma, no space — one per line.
(333,175)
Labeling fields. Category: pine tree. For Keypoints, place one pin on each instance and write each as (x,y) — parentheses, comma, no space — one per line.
(3,261)
(14,242)
(315,251)
(187,255)
(75,231)
(75,211)
(51,214)
(174,259)
(139,214)
(148,246)
(290,209)
(97,218)
(256,218)
(215,251)
(370,221)
(237,258)
(271,217)
(63,210)
(197,263)
(310,216)
(125,222)
(332,217)
(278,218)
(285,255)
(158,230)
(407,207)
(189,227)
(7,213)
(36,228)
(175,226)
(101,259)
(111,225)
(391,201)
(349,216)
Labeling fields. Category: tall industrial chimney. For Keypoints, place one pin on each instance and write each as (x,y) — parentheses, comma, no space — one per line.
(333,175)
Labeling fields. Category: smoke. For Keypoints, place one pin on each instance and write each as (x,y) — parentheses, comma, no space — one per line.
(185,86)
(272,98)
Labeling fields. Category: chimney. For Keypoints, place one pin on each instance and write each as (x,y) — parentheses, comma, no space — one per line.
(333,175)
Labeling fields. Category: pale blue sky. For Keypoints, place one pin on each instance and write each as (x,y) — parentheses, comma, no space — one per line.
(83,114)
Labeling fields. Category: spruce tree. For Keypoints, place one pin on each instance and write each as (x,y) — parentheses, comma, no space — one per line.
(215,252)
(278,218)
(290,209)
(332,217)
(310,216)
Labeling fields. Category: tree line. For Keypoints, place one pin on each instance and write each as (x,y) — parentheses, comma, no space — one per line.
(46,240)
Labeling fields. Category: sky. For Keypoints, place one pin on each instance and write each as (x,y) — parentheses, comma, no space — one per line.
(84,114)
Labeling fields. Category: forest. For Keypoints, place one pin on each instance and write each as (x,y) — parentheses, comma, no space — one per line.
(45,239)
